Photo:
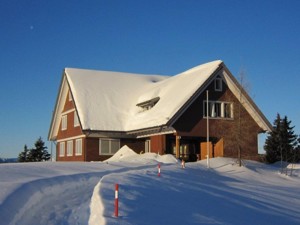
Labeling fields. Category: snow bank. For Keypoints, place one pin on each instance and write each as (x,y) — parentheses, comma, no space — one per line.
(122,154)
(83,193)
(126,154)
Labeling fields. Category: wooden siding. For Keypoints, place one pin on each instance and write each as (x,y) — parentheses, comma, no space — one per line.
(203,147)
(73,157)
(71,131)
(193,123)
(158,144)
(219,148)
(137,145)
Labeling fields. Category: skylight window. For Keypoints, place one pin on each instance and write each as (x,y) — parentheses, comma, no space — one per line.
(147,105)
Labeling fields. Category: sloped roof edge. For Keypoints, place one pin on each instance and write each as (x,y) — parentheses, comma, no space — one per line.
(250,105)
(54,120)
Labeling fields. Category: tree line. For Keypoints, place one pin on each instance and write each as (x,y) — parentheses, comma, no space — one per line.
(37,154)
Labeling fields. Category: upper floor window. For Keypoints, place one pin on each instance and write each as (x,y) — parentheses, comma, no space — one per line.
(218,109)
(218,84)
(70,96)
(76,120)
(64,122)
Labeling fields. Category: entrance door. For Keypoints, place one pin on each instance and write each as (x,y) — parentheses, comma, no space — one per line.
(203,149)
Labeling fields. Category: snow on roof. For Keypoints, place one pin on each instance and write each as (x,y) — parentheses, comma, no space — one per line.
(173,93)
(104,100)
(108,101)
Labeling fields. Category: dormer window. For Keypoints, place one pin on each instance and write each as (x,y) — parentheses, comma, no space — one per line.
(218,84)
(148,104)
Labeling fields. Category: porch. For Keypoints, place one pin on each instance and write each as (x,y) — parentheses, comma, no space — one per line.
(189,148)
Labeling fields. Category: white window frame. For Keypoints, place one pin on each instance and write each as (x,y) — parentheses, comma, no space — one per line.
(76,120)
(109,143)
(147,146)
(64,122)
(218,84)
(61,149)
(70,148)
(78,146)
(219,113)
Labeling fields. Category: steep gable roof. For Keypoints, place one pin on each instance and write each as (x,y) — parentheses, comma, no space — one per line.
(106,100)
(113,101)
(173,92)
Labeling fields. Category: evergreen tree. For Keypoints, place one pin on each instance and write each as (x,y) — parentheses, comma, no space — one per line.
(37,154)
(23,156)
(272,144)
(288,140)
(296,151)
(40,153)
(281,142)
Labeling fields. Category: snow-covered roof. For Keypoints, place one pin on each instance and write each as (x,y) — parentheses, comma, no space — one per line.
(127,102)
(108,101)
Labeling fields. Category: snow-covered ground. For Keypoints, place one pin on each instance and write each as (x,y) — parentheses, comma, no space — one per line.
(83,193)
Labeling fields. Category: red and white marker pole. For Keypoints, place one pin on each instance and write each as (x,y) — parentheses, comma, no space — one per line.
(158,167)
(117,200)
(182,164)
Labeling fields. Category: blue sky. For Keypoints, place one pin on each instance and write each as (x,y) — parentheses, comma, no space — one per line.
(40,38)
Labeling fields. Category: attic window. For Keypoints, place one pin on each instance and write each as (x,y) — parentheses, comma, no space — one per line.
(70,96)
(148,104)
(218,84)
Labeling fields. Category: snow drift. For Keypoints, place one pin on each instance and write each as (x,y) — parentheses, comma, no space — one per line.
(83,193)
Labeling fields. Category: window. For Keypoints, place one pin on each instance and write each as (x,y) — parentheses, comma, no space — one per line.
(62,149)
(147,146)
(70,148)
(217,109)
(228,110)
(64,120)
(109,146)
(76,121)
(78,147)
(218,84)
(70,96)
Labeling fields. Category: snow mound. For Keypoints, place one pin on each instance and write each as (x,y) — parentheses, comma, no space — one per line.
(121,154)
(126,154)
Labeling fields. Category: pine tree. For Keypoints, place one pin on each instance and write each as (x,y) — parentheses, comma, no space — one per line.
(37,154)
(288,140)
(281,142)
(297,151)
(40,153)
(23,156)
(272,147)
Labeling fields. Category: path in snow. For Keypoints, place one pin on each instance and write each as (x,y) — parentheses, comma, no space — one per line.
(56,200)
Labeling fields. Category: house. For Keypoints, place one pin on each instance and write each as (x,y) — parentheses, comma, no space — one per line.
(98,112)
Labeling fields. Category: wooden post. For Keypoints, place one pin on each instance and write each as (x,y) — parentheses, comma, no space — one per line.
(158,170)
(177,145)
(116,200)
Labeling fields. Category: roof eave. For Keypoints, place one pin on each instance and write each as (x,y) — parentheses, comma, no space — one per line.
(199,91)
